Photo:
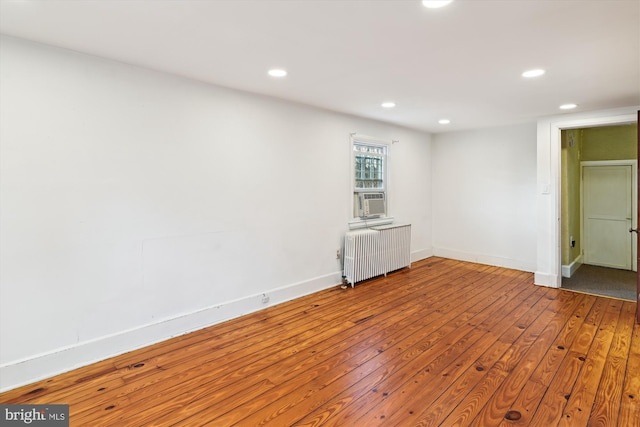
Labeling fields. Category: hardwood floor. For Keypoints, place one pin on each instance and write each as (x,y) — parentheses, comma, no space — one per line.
(443,343)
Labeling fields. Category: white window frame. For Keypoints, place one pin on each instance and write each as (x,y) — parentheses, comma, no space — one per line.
(358,222)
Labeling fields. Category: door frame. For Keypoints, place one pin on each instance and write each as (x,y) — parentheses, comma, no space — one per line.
(548,236)
(634,198)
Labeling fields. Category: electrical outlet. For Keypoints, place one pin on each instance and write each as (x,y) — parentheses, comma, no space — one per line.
(338,254)
(265,298)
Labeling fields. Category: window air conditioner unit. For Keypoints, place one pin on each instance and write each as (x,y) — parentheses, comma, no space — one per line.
(371,204)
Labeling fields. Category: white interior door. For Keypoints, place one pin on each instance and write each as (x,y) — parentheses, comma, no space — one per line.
(607,216)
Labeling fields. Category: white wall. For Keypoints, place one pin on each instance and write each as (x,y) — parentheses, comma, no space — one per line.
(484,196)
(136,205)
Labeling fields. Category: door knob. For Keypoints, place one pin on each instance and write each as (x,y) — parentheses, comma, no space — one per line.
(633,230)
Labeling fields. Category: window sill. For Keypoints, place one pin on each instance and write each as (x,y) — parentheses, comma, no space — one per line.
(357,223)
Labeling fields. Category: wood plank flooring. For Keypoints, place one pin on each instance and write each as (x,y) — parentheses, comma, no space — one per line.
(443,343)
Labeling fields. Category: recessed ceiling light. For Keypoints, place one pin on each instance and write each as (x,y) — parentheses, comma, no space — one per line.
(533,73)
(568,106)
(388,104)
(444,121)
(434,4)
(277,72)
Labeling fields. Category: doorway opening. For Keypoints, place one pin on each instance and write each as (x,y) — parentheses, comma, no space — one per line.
(598,207)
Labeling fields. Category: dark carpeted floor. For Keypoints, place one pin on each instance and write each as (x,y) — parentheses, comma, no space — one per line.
(603,281)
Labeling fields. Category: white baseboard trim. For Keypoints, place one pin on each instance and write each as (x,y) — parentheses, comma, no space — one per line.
(568,270)
(486,259)
(42,366)
(546,279)
(421,254)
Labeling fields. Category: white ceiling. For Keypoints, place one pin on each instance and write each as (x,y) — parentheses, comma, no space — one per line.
(462,62)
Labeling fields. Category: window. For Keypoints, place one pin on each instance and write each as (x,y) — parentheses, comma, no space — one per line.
(369,160)
(369,166)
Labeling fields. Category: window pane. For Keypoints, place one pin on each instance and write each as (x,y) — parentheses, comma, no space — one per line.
(369,170)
